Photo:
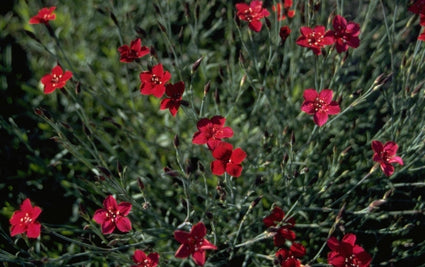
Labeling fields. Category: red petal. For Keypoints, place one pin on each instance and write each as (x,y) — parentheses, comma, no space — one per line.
(388,169)
(320,118)
(326,95)
(166,77)
(218,120)
(183,251)
(26,206)
(66,76)
(35,213)
(181,236)
(218,167)
(18,229)
(208,245)
(139,256)
(199,257)
(377,146)
(238,155)
(123,224)
(158,91)
(226,132)
(223,151)
(158,70)
(396,159)
(124,208)
(255,25)
(297,249)
(391,148)
(339,21)
(110,203)
(174,107)
(349,239)
(203,124)
(199,138)
(165,103)
(306,31)
(198,230)
(154,257)
(310,95)
(108,227)
(308,107)
(335,259)
(16,217)
(100,216)
(333,108)
(234,170)
(33,230)
(333,243)
(57,70)
(145,76)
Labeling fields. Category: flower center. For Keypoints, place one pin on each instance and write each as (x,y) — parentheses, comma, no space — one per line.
(112,214)
(248,14)
(155,79)
(26,219)
(384,156)
(352,261)
(314,39)
(56,78)
(319,104)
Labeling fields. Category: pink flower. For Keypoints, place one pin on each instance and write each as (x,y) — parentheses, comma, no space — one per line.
(252,13)
(25,220)
(315,39)
(211,132)
(283,233)
(320,105)
(193,243)
(290,258)
(113,215)
(56,80)
(132,52)
(142,260)
(347,253)
(386,155)
(175,93)
(153,82)
(44,15)
(227,160)
(345,34)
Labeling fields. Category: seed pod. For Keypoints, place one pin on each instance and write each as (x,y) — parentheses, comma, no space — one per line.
(195,65)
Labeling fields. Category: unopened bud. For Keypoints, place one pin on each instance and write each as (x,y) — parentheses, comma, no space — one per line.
(140,184)
(255,202)
(216,96)
(375,204)
(162,27)
(207,88)
(39,111)
(195,65)
(242,81)
(176,141)
(114,18)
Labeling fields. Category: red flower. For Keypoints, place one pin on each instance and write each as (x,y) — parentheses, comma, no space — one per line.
(290,258)
(57,79)
(132,52)
(386,155)
(193,243)
(252,13)
(142,260)
(283,13)
(211,132)
(421,37)
(175,93)
(284,33)
(153,82)
(283,233)
(227,160)
(24,220)
(345,34)
(418,7)
(347,253)
(113,215)
(320,105)
(44,15)
(315,38)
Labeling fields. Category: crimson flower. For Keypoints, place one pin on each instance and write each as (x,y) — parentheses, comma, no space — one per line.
(345,33)
(132,52)
(347,253)
(283,10)
(315,39)
(252,13)
(56,79)
(153,81)
(227,160)
(290,258)
(284,33)
(44,15)
(320,105)
(211,131)
(113,215)
(175,93)
(24,220)
(193,243)
(386,155)
(141,260)
(283,233)
(418,7)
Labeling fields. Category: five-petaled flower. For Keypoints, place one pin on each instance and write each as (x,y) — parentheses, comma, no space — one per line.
(283,10)
(386,155)
(153,81)
(315,39)
(113,215)
(193,243)
(345,33)
(418,7)
(25,220)
(227,160)
(282,233)
(211,131)
(347,253)
(252,13)
(290,258)
(132,52)
(320,105)
(55,80)
(141,260)
(44,15)
(174,93)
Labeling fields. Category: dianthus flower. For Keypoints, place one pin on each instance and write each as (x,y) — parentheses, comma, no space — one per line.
(386,155)
(174,99)
(113,216)
(153,82)
(252,13)
(315,39)
(320,105)
(55,80)
(25,220)
(290,258)
(227,160)
(211,131)
(284,10)
(282,233)
(347,253)
(132,52)
(418,7)
(141,260)
(284,33)
(193,243)
(44,15)
(345,34)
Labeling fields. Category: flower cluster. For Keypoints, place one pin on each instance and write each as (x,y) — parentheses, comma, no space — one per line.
(418,7)
(284,10)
